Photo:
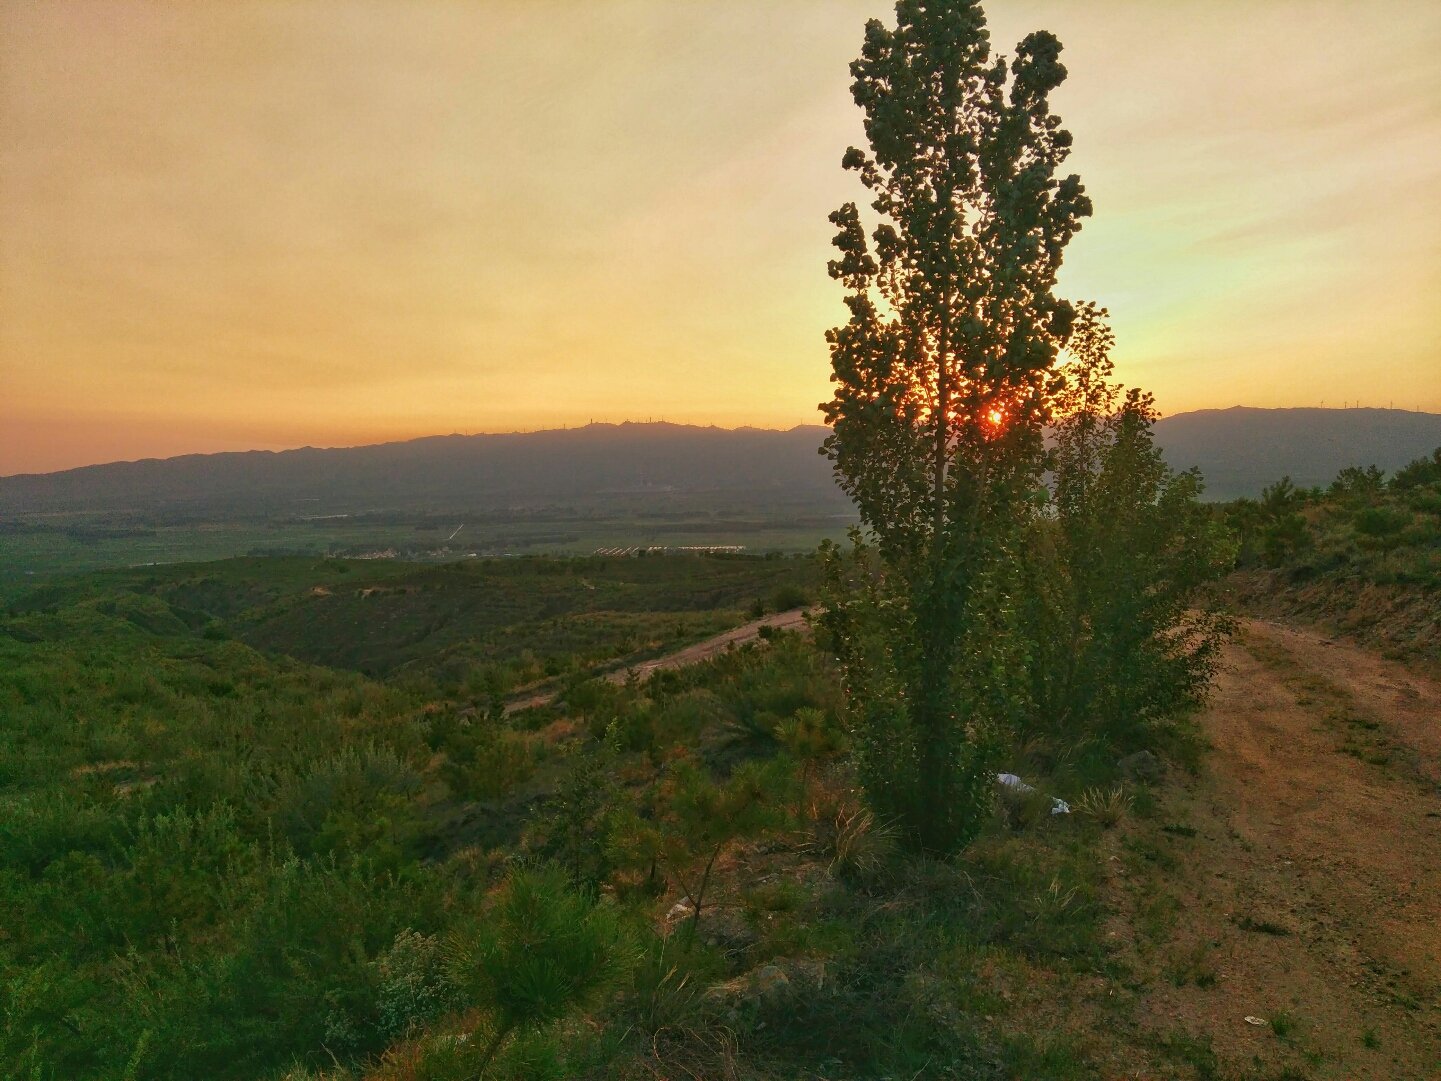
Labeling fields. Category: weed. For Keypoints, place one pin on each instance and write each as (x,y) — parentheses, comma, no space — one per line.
(1152,851)
(1194,1051)
(1023,811)
(1195,967)
(774,897)
(859,847)
(665,992)
(1105,807)
(1283,1023)
(1156,916)
(1046,1054)
(1262,927)
(1053,904)
(1405,1001)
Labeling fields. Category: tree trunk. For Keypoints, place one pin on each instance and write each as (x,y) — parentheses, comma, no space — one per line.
(943,427)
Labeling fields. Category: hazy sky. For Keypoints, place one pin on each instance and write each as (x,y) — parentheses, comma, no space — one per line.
(257,224)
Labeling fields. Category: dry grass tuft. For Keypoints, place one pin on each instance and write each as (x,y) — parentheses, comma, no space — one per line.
(1105,806)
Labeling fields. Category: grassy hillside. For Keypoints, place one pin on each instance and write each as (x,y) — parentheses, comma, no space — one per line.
(223,861)
(482,626)
(1361,556)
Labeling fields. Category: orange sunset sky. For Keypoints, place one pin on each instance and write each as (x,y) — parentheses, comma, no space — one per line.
(267,224)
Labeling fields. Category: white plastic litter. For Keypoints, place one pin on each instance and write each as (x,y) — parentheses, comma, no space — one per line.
(1010,780)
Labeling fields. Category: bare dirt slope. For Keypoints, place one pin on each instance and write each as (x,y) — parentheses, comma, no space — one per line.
(1309,895)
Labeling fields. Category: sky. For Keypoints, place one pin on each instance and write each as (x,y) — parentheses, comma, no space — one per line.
(283,223)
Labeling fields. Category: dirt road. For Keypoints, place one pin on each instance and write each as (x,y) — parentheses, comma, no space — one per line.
(701,651)
(1309,896)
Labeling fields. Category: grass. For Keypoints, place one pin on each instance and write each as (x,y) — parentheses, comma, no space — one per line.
(478,626)
(1363,559)
(1107,807)
(1194,967)
(264,861)
(196,828)
(1263,927)
(192,828)
(1283,1024)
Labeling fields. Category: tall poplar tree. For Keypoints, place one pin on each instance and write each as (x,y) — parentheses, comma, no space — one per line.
(943,377)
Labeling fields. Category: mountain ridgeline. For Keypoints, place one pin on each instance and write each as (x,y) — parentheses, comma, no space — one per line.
(600,465)
(1238,451)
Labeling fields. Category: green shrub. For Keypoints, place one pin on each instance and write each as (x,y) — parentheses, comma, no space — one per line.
(1422,471)
(1117,637)
(412,985)
(362,800)
(788,597)
(1380,521)
(541,951)
(695,818)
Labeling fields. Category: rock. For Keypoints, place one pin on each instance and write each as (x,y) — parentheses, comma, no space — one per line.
(770,980)
(679,911)
(728,930)
(1141,768)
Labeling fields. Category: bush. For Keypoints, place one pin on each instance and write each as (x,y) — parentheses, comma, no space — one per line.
(413,987)
(1284,538)
(1421,472)
(1117,636)
(788,597)
(695,818)
(360,800)
(1380,521)
(540,952)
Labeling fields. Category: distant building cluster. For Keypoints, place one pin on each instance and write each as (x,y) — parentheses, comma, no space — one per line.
(665,549)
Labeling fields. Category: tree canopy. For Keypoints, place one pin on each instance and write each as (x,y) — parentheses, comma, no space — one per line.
(954,323)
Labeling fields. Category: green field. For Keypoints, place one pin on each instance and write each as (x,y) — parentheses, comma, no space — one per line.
(38,546)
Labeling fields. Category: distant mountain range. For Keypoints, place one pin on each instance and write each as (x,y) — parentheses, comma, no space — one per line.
(604,466)
(600,466)
(1239,451)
